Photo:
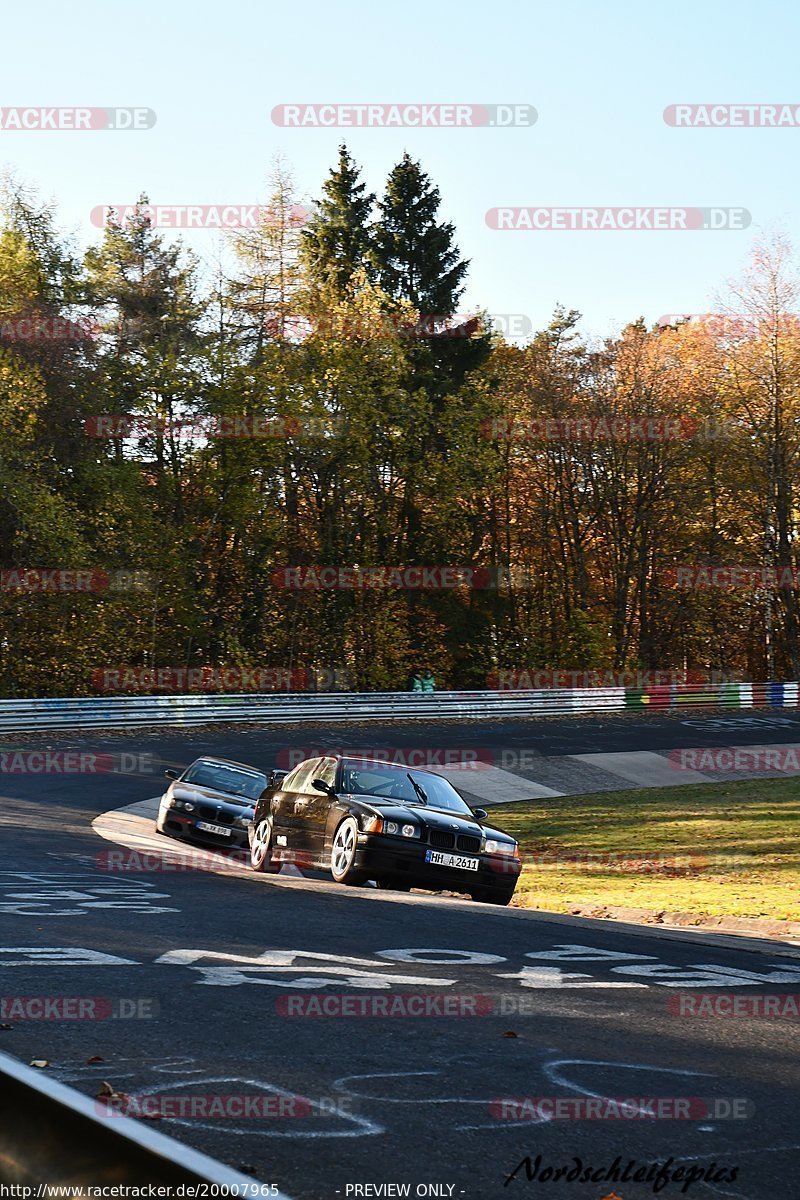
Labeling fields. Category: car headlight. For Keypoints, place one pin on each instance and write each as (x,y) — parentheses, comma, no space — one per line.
(375,824)
(493,847)
(186,804)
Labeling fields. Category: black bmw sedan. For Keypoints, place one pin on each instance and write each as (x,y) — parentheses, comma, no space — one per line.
(211,802)
(365,819)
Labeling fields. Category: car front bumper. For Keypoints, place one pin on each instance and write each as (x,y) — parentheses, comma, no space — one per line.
(178,825)
(403,861)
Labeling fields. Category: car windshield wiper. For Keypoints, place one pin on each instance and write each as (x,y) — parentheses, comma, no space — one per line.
(420,791)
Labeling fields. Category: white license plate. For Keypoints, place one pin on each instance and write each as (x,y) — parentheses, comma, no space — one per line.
(208,828)
(440,859)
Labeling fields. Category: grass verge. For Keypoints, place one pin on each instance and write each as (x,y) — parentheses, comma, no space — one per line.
(713,849)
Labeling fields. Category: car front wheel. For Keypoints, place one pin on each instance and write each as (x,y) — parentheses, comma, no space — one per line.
(343,854)
(261,847)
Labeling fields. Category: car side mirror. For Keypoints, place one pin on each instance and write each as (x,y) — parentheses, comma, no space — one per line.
(322,786)
(171,773)
(480,814)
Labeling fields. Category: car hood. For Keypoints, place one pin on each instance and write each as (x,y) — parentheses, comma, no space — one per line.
(206,795)
(436,818)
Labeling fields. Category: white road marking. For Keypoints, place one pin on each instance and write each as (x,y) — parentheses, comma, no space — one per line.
(642,767)
(364,1127)
(133,826)
(466,957)
(81,892)
(573,953)
(494,784)
(788,754)
(554,977)
(230,970)
(554,1073)
(62,956)
(708,975)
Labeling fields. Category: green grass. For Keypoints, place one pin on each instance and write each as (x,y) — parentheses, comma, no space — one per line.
(715,849)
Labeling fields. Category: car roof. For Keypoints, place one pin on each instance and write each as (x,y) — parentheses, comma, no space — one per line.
(228,762)
(382,762)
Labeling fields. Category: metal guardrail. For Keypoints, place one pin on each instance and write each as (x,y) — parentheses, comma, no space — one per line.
(51,1134)
(128,712)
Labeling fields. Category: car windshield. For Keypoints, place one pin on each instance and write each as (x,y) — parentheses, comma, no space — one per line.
(396,784)
(233,781)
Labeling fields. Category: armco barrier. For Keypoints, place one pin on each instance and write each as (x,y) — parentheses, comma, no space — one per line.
(51,1134)
(128,712)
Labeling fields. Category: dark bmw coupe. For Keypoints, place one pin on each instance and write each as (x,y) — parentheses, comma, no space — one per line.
(211,802)
(365,819)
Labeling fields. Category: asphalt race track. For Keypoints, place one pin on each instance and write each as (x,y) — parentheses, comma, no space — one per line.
(393,1039)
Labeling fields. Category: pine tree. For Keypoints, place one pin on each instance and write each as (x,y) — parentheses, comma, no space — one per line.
(338,241)
(417,259)
(419,262)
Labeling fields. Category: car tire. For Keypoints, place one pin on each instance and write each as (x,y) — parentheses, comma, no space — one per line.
(261,848)
(343,852)
(492,897)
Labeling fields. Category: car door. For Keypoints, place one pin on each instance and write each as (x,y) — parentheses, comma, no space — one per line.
(282,804)
(295,801)
(319,805)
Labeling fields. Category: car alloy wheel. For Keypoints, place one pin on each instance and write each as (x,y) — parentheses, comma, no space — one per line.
(343,853)
(261,848)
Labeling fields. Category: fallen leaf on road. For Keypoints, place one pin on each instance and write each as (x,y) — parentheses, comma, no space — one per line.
(510,1033)
(107,1092)
(39,1062)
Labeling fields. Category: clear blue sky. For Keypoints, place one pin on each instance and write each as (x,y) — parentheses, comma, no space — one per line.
(599,75)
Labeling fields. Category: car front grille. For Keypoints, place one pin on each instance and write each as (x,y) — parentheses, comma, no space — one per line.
(217,815)
(442,839)
(472,844)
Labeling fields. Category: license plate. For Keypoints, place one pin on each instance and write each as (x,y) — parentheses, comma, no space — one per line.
(208,828)
(440,859)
